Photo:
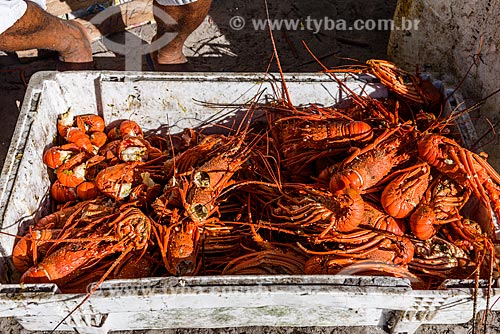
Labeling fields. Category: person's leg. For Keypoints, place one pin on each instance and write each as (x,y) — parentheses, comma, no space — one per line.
(37,29)
(187,18)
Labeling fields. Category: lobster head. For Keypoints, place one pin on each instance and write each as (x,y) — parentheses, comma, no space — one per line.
(179,247)
(184,249)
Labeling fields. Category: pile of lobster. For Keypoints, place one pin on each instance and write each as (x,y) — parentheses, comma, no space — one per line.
(370,188)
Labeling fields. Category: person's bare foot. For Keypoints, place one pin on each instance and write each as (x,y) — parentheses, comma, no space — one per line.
(183,20)
(172,52)
(154,65)
(170,58)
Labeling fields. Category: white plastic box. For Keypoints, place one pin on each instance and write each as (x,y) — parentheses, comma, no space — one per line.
(193,302)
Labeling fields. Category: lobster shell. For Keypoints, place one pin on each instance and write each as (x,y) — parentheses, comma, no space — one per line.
(61,193)
(72,172)
(130,128)
(404,192)
(55,156)
(87,191)
(81,139)
(422,222)
(98,139)
(90,123)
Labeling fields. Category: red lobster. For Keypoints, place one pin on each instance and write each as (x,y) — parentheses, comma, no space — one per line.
(368,166)
(464,167)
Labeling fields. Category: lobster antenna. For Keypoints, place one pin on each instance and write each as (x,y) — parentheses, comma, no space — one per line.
(341,84)
(96,286)
(475,106)
(475,61)
(477,144)
(169,134)
(285,89)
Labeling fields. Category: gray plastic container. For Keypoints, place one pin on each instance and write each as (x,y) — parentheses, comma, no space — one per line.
(194,302)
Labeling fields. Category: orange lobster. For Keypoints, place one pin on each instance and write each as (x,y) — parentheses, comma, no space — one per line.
(130,128)
(65,122)
(87,191)
(363,251)
(27,249)
(209,180)
(375,218)
(369,244)
(72,172)
(368,166)
(407,85)
(401,195)
(81,139)
(464,167)
(117,181)
(110,151)
(98,139)
(124,232)
(273,261)
(305,139)
(25,252)
(56,156)
(440,205)
(179,246)
(194,156)
(62,194)
(90,123)
(306,132)
(133,149)
(308,207)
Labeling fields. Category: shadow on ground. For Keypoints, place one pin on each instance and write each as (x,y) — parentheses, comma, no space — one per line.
(215,46)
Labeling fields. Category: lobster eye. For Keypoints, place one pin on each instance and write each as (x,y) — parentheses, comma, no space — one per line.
(200,211)
(202,179)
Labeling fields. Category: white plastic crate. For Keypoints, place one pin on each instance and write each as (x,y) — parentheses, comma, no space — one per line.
(193,302)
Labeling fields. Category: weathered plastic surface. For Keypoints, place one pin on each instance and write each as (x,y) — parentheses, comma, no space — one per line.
(181,101)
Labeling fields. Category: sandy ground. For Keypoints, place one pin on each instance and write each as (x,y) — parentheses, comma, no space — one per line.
(217,47)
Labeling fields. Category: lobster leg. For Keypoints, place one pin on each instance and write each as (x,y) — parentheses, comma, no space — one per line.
(355,237)
(488,191)
(273,257)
